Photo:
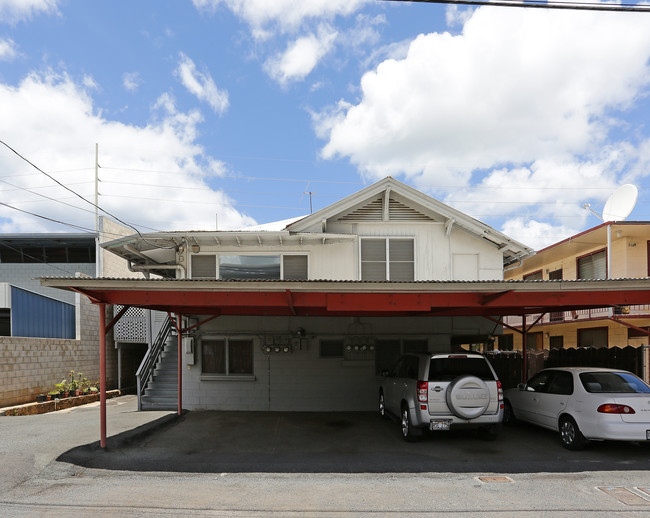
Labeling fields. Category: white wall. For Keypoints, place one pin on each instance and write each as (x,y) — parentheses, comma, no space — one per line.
(301,380)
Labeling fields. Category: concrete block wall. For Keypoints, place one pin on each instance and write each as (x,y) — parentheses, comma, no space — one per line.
(111,264)
(31,366)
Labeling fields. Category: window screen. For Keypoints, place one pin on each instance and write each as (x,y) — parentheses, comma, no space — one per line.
(401,257)
(593,266)
(204,267)
(295,267)
(373,259)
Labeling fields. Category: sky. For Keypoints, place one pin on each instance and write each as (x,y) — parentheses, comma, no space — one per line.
(230,113)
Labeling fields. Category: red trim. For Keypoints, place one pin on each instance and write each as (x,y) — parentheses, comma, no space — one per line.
(276,303)
(568,239)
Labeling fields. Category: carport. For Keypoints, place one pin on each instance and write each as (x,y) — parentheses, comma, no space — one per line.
(214,298)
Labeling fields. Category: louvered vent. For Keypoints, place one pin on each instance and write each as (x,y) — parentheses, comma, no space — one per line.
(374,211)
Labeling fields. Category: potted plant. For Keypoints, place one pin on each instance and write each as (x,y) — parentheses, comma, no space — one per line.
(62,388)
(40,398)
(52,395)
(73,384)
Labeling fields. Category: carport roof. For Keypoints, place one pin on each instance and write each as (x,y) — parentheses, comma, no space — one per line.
(348,298)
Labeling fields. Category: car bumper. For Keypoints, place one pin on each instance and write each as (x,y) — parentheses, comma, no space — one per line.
(423,419)
(617,430)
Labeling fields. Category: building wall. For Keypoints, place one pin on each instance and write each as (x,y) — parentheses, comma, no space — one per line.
(112,265)
(30,366)
(26,275)
(301,380)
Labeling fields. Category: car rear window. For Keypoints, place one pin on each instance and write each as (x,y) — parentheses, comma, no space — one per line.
(612,382)
(448,369)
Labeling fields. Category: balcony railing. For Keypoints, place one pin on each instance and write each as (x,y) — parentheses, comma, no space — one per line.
(558,317)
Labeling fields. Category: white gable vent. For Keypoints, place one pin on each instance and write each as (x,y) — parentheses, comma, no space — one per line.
(374,211)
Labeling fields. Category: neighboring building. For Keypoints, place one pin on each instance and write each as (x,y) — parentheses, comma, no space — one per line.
(587,256)
(44,332)
(387,233)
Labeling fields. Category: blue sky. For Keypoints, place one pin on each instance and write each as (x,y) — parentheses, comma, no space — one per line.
(230,112)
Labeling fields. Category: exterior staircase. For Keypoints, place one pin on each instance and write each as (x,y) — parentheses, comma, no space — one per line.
(158,373)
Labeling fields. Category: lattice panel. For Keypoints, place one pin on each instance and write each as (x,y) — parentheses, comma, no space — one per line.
(132,327)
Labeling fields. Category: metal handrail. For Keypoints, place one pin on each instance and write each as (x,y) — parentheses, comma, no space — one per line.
(151,357)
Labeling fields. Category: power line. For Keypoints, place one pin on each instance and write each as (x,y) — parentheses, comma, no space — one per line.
(76,194)
(540,4)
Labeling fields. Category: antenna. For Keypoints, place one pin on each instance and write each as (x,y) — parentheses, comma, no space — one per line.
(621,203)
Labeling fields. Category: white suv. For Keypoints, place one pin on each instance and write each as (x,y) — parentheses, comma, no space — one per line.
(442,392)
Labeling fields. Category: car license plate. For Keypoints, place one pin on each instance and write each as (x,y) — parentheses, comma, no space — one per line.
(442,424)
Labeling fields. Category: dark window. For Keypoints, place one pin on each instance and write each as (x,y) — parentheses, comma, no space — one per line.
(448,369)
(227,357)
(593,266)
(594,337)
(34,255)
(556,342)
(535,276)
(5,322)
(331,348)
(555,275)
(562,383)
(506,342)
(412,367)
(534,341)
(81,254)
(249,267)
(15,253)
(387,353)
(416,346)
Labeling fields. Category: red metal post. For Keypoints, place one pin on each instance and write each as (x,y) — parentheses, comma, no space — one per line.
(102,374)
(524,351)
(180,363)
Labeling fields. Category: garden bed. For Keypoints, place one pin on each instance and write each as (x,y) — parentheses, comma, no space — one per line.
(56,404)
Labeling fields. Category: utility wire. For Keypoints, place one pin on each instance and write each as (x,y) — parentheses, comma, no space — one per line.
(79,196)
(539,4)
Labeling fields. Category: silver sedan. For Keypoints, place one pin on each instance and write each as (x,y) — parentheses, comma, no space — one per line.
(583,404)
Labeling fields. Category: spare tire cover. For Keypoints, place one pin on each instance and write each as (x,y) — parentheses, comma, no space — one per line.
(468,397)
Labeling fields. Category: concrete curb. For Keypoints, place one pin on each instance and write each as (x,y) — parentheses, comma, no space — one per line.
(57,404)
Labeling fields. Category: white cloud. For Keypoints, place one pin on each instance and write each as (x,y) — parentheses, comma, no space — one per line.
(515,87)
(301,57)
(283,15)
(537,234)
(12,11)
(131,81)
(201,85)
(150,175)
(8,50)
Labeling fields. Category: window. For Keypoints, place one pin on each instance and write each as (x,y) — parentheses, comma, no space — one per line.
(594,337)
(562,383)
(227,356)
(331,348)
(22,252)
(535,276)
(613,382)
(506,342)
(593,266)
(249,266)
(540,381)
(556,342)
(387,259)
(204,267)
(294,268)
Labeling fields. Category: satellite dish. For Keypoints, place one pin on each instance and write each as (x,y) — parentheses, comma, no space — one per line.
(620,203)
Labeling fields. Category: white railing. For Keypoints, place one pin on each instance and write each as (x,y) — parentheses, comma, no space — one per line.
(558,317)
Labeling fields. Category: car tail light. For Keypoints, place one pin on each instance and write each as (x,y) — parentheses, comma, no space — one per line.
(423,391)
(500,390)
(611,408)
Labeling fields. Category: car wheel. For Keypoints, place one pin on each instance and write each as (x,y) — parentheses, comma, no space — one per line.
(508,414)
(409,433)
(572,438)
(382,405)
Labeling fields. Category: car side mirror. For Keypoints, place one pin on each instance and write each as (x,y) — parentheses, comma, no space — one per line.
(521,386)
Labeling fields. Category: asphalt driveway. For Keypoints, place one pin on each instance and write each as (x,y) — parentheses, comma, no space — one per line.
(342,442)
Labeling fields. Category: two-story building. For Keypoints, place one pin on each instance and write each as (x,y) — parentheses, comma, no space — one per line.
(613,250)
(322,350)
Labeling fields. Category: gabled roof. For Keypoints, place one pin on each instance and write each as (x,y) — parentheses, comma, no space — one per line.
(392,200)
